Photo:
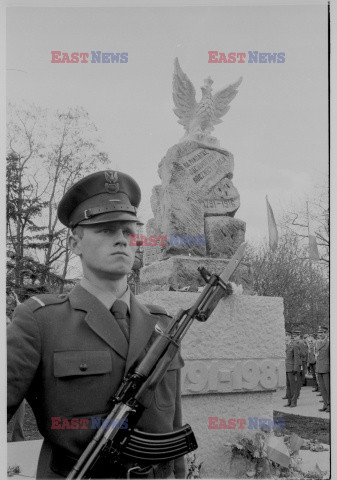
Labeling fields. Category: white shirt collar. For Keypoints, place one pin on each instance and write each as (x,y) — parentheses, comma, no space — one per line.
(105,296)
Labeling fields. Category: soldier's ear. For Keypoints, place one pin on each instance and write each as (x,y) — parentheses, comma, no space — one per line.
(75,243)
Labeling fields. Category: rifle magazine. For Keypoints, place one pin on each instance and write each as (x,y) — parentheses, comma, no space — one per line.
(160,447)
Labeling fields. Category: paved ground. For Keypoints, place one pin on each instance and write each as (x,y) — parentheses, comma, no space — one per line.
(24,454)
(308,404)
(311,459)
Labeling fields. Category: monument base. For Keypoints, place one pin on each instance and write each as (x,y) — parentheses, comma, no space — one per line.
(182,271)
(215,452)
(224,235)
(233,364)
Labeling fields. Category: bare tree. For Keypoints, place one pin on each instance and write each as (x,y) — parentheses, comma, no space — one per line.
(47,152)
(295,220)
(72,154)
(286,272)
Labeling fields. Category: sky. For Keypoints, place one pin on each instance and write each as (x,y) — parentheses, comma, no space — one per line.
(276,128)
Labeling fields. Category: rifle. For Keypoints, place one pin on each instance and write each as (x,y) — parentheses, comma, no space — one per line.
(112,446)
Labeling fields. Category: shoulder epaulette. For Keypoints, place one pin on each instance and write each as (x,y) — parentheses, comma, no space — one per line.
(39,301)
(157,310)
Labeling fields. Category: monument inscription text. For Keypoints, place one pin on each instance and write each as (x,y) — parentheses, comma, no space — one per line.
(204,376)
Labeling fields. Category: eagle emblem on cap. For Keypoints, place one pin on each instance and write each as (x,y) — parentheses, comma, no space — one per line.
(112,185)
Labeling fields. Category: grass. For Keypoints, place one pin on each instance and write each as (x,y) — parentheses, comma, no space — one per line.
(310,428)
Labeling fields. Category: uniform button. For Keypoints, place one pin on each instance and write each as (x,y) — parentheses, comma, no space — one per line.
(83,367)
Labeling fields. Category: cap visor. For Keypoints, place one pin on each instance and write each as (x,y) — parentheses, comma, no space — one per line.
(111,217)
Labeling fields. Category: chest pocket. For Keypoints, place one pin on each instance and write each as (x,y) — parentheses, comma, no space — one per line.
(84,382)
(165,393)
(80,363)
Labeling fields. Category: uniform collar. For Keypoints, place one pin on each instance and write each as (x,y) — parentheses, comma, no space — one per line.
(142,324)
(105,296)
(100,320)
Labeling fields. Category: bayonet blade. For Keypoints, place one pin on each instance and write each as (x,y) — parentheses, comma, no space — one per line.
(233,263)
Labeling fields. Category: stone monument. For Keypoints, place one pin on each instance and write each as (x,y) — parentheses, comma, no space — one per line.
(195,205)
(235,361)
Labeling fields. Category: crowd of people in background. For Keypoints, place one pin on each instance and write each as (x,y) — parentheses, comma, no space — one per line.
(310,354)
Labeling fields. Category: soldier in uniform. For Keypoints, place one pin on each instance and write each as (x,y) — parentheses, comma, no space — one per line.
(312,361)
(317,344)
(296,336)
(68,353)
(304,359)
(323,367)
(292,370)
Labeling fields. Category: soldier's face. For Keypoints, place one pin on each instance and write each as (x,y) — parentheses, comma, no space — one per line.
(105,249)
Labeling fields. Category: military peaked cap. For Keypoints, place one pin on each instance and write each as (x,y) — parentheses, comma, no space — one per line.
(107,196)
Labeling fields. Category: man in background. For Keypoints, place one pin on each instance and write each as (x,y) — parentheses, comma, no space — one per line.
(304,358)
(312,361)
(323,367)
(296,340)
(292,370)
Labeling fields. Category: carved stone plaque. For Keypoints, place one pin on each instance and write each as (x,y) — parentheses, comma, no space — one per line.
(222,199)
(206,167)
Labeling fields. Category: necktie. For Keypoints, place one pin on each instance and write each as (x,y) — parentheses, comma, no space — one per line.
(119,310)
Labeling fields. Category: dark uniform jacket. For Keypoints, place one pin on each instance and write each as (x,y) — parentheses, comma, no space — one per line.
(311,354)
(303,351)
(323,358)
(67,355)
(293,361)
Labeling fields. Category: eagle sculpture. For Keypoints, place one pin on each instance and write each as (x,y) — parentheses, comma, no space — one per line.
(199,118)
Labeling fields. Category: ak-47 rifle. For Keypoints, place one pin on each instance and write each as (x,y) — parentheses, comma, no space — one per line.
(111,447)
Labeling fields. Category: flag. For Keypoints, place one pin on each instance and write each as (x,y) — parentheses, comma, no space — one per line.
(313,249)
(272,228)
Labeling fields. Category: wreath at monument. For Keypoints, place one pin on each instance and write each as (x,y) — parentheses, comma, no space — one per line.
(274,457)
(193,466)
